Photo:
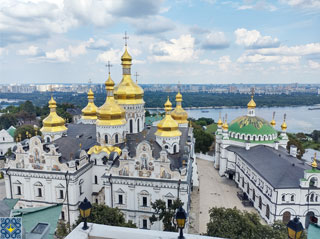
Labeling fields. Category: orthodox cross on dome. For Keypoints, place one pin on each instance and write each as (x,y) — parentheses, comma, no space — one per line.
(126,37)
(273,115)
(109,66)
(136,75)
(284,117)
(252,91)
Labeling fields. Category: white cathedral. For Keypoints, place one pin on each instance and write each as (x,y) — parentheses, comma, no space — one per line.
(275,182)
(110,157)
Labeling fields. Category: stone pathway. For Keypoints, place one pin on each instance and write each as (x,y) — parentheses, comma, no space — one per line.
(213,191)
(2,189)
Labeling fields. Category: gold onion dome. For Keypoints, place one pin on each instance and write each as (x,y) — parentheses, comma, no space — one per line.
(252,104)
(110,113)
(225,125)
(220,123)
(168,127)
(53,122)
(179,114)
(90,111)
(314,163)
(284,125)
(273,122)
(128,92)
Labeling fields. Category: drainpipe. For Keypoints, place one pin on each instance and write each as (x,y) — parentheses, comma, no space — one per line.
(67,195)
(7,172)
(179,182)
(110,181)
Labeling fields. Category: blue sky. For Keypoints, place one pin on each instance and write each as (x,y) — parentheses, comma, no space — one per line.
(191,42)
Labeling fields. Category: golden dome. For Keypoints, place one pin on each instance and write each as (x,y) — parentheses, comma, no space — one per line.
(252,104)
(284,124)
(90,111)
(110,113)
(127,91)
(314,163)
(273,122)
(225,125)
(53,122)
(179,114)
(219,123)
(168,127)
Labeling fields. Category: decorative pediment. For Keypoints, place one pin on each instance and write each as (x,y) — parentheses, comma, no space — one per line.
(17,182)
(38,184)
(59,186)
(169,195)
(120,191)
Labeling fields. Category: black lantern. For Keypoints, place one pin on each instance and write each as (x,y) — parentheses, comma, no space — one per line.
(295,228)
(181,218)
(85,211)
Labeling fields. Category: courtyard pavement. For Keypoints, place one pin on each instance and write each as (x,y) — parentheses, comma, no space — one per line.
(213,191)
(2,189)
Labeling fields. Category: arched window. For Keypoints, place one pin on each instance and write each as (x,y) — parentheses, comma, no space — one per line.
(95,179)
(260,202)
(313,182)
(249,137)
(309,214)
(242,182)
(106,139)
(292,198)
(248,189)
(138,125)
(131,126)
(312,197)
(268,212)
(116,139)
(254,138)
(48,139)
(283,198)
(80,186)
(286,217)
(243,137)
(253,195)
(175,149)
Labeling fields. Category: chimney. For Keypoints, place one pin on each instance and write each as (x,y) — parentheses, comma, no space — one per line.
(293,151)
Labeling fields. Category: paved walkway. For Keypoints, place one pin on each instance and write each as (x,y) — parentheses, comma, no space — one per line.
(2,189)
(213,191)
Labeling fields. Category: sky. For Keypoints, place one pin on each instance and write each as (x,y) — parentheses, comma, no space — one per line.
(171,42)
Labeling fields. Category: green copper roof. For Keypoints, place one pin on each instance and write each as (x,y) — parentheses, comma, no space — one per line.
(11,130)
(251,125)
(10,202)
(32,216)
(313,231)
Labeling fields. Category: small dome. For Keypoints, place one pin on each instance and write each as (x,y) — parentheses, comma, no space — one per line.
(110,113)
(252,104)
(225,126)
(168,127)
(284,125)
(90,111)
(273,122)
(179,114)
(53,122)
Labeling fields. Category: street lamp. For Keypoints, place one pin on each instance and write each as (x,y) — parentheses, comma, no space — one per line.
(85,211)
(294,228)
(181,217)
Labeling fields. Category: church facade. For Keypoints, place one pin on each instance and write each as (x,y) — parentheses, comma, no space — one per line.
(277,184)
(109,157)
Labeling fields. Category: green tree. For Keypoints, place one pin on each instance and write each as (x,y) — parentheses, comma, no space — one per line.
(6,120)
(165,214)
(22,131)
(235,224)
(204,140)
(102,214)
(62,230)
(294,141)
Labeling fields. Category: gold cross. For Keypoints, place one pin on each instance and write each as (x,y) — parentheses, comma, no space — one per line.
(125,38)
(109,66)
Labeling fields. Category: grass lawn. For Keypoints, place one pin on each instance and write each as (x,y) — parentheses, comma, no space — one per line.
(211,128)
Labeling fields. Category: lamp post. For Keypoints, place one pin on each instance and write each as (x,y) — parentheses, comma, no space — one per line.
(294,228)
(85,211)
(181,217)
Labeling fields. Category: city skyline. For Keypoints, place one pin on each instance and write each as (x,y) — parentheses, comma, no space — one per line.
(207,42)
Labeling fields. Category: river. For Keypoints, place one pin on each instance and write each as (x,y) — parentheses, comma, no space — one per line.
(299,119)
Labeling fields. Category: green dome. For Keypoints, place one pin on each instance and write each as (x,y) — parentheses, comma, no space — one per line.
(251,125)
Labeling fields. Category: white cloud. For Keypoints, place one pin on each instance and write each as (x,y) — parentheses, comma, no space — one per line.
(112,55)
(311,4)
(99,44)
(59,55)
(208,62)
(257,58)
(22,20)
(253,39)
(3,51)
(215,40)
(153,25)
(314,64)
(308,49)
(78,50)
(175,50)
(224,62)
(30,51)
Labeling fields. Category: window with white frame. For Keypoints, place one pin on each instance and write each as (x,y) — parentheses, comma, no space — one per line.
(39,190)
(81,186)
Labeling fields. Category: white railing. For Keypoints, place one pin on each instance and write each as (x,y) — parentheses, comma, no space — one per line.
(204,156)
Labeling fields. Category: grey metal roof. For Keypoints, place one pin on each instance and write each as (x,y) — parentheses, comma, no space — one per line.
(277,167)
(148,134)
(69,145)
